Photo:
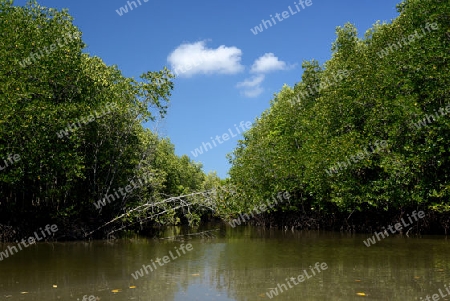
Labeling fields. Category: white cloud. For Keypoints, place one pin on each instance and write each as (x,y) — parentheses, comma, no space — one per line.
(195,58)
(267,63)
(252,86)
(189,59)
(253,82)
(252,93)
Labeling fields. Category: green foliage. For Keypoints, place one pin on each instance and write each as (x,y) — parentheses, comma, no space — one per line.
(308,130)
(43,92)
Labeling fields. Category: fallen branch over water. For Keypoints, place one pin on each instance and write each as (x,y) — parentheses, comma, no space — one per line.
(201,199)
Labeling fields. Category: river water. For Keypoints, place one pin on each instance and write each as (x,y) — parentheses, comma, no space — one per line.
(231,264)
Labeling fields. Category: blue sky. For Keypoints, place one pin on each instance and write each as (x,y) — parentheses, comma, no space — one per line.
(233,73)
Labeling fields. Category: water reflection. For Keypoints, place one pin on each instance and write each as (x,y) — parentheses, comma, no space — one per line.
(235,264)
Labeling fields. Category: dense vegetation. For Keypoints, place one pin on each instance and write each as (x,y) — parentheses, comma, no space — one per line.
(48,85)
(370,92)
(345,142)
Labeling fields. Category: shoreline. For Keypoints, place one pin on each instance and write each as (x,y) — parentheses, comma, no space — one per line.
(369,223)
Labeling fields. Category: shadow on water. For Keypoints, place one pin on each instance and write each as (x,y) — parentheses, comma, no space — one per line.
(230,264)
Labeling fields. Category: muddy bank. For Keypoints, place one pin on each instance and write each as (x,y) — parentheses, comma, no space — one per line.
(408,221)
(411,221)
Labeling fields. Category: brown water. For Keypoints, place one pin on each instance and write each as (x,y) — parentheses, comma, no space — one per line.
(237,264)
